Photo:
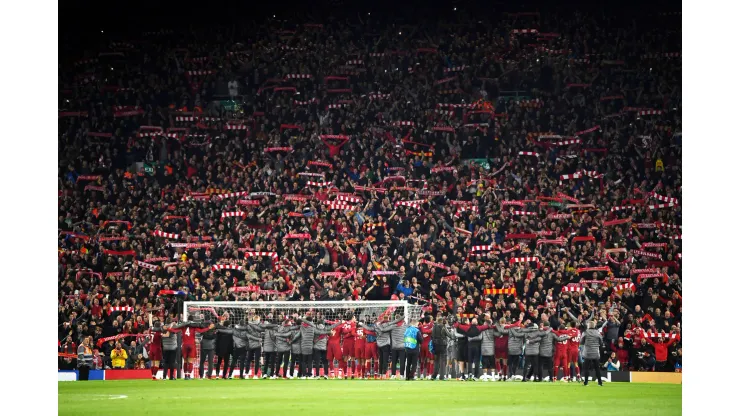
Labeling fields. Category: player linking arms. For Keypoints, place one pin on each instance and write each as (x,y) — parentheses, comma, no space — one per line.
(188,330)
(155,346)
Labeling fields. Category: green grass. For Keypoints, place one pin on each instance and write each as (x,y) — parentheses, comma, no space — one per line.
(359,397)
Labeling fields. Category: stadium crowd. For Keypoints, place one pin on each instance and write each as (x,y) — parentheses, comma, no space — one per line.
(523,170)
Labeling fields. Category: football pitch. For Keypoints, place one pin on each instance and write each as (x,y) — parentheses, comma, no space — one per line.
(364,397)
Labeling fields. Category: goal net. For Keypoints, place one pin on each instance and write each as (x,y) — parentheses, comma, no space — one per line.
(367,312)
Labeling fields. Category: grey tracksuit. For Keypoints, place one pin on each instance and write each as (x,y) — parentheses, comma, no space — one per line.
(295,342)
(282,337)
(208,341)
(169,343)
(591,341)
(239,335)
(398,351)
(254,332)
(383,334)
(269,337)
(487,342)
(516,340)
(532,343)
(308,331)
(397,332)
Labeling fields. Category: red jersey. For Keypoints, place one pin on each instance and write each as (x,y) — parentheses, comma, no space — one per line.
(348,331)
(501,343)
(426,332)
(188,334)
(335,336)
(156,340)
(561,347)
(575,339)
(359,335)
(370,336)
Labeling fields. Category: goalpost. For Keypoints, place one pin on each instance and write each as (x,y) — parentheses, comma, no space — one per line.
(275,312)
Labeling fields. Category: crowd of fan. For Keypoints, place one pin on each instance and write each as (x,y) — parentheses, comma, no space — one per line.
(494,168)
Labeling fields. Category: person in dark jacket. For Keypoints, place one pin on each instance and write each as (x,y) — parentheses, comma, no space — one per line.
(224,347)
(412,344)
(398,352)
(515,343)
(592,343)
(240,342)
(255,330)
(532,340)
(207,349)
(268,347)
(473,334)
(169,354)
(440,339)
(283,336)
(382,329)
(308,331)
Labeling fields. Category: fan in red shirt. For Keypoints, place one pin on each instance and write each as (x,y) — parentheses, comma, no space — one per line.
(561,353)
(155,345)
(661,350)
(334,347)
(348,344)
(426,357)
(189,329)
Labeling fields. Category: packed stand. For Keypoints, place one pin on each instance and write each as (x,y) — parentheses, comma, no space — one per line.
(531,166)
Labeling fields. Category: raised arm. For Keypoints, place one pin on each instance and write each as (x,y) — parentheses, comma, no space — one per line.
(671,342)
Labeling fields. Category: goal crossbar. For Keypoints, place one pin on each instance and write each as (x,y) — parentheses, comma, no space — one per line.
(321,305)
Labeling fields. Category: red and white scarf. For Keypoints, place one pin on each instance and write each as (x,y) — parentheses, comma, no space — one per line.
(231,214)
(302,236)
(646,254)
(624,286)
(158,233)
(559,241)
(217,267)
(524,260)
(433,264)
(529,154)
(120,309)
(191,245)
(146,265)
